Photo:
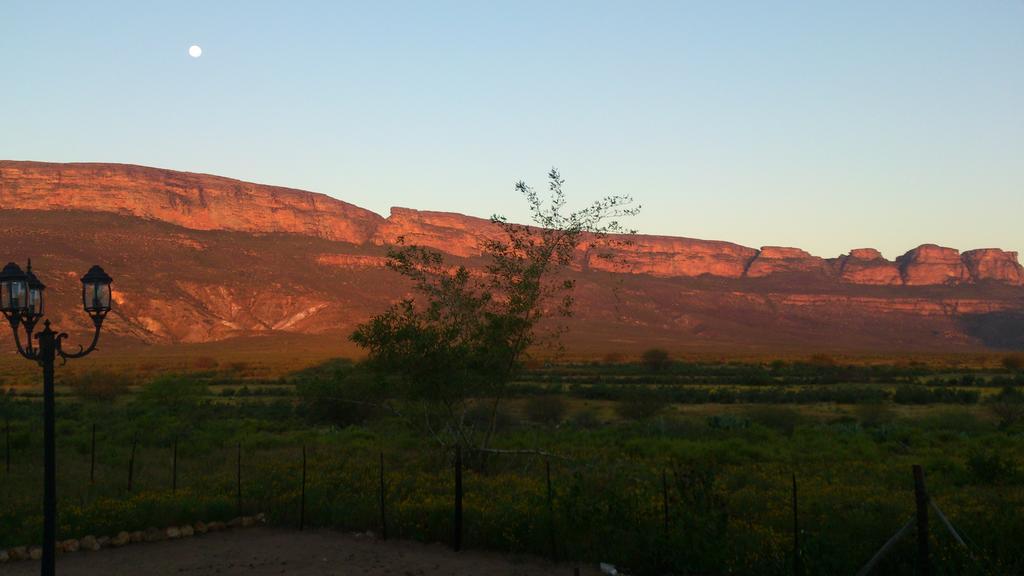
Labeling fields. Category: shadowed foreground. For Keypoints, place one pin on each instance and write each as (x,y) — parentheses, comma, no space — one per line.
(265,551)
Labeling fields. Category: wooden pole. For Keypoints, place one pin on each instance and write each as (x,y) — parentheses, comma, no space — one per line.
(92,456)
(457,535)
(302,500)
(664,500)
(7,444)
(238,479)
(383,516)
(131,462)
(921,501)
(174,467)
(551,512)
(797,560)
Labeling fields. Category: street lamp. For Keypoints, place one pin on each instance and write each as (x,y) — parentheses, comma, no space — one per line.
(21,301)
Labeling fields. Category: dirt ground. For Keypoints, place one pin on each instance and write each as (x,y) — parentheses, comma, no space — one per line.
(267,551)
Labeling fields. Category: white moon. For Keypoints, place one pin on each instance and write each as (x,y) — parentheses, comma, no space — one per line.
(195,51)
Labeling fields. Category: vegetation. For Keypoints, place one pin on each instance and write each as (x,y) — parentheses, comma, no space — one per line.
(656,359)
(462,338)
(727,468)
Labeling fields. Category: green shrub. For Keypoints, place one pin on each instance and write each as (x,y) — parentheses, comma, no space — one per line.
(728,422)
(342,396)
(1008,406)
(780,418)
(639,405)
(991,467)
(173,393)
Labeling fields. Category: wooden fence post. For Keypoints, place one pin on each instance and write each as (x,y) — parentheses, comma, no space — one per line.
(7,450)
(383,516)
(921,501)
(457,534)
(131,462)
(551,512)
(174,467)
(664,500)
(238,479)
(302,498)
(798,564)
(92,456)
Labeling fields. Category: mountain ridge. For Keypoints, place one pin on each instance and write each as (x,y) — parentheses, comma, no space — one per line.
(210,202)
(203,258)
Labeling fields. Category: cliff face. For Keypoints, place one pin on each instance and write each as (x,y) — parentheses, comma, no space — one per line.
(196,201)
(204,202)
(199,258)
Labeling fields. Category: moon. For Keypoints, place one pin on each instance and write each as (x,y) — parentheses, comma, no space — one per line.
(195,51)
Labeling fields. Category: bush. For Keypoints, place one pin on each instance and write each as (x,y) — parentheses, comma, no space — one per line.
(1014,362)
(1008,406)
(991,467)
(780,418)
(173,393)
(99,385)
(545,409)
(639,405)
(874,415)
(343,395)
(656,359)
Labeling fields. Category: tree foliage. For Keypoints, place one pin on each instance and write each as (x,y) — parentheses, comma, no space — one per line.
(465,332)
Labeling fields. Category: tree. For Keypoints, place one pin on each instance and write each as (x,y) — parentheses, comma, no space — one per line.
(464,334)
(656,359)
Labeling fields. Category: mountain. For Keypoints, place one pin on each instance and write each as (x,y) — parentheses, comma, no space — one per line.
(198,258)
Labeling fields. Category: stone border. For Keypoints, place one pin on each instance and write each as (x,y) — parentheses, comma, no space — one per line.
(92,543)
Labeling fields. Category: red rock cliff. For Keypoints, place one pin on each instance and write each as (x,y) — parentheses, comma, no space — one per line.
(204,202)
(196,201)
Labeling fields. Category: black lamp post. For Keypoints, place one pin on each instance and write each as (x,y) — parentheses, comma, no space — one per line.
(21,301)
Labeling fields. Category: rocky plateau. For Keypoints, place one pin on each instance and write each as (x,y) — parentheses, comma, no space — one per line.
(200,258)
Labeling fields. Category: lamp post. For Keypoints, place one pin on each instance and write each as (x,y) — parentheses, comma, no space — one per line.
(21,301)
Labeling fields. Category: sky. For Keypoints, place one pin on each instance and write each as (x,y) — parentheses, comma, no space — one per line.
(822,124)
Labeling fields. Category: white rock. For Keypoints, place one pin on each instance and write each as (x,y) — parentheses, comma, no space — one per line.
(89,543)
(173,533)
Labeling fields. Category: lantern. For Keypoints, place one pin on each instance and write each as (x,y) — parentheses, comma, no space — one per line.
(96,292)
(13,290)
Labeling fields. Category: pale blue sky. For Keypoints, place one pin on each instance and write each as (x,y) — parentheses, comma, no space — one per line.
(822,124)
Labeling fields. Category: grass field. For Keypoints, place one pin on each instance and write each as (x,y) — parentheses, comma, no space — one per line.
(628,447)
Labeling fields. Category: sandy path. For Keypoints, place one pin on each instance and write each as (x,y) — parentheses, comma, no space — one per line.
(266,551)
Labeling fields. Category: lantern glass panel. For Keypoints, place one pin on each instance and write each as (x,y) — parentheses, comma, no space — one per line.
(13,295)
(35,301)
(96,297)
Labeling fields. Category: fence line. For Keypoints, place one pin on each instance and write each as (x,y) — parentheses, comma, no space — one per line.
(922,503)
